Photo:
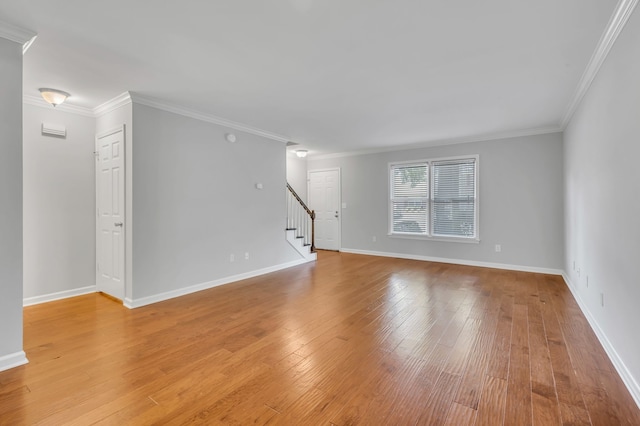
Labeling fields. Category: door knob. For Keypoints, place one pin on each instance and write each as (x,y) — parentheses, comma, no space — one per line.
(118,224)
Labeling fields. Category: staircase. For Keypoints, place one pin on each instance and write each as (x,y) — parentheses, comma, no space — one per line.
(300,225)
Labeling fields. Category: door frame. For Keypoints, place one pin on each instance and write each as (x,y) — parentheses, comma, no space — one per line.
(330,169)
(125,232)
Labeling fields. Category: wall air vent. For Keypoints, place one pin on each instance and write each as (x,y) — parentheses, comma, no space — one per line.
(56,130)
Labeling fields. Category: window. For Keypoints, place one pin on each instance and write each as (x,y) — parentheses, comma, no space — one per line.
(434,198)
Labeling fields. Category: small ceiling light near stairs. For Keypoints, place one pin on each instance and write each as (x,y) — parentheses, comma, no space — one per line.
(301,153)
(53,96)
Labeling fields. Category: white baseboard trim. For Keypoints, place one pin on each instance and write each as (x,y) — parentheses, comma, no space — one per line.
(630,382)
(456,261)
(28,301)
(143,301)
(13,360)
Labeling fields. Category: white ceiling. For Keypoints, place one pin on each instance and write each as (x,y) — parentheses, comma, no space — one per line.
(332,75)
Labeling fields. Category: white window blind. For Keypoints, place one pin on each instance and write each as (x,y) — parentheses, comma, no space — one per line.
(434,198)
(410,198)
(454,198)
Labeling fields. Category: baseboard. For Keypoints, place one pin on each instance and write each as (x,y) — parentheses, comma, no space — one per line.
(456,261)
(13,360)
(628,379)
(28,301)
(143,301)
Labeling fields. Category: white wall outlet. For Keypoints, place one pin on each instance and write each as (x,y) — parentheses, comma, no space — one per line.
(374,239)
(498,248)
(344,205)
(246,255)
(232,257)
(259,185)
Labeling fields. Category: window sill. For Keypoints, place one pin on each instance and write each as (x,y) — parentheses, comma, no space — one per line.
(440,239)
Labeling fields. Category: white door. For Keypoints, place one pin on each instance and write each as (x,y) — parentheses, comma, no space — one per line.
(110,226)
(324,198)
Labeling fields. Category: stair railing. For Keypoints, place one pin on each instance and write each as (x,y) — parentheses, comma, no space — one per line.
(300,218)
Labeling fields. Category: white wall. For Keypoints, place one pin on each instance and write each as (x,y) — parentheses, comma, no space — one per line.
(195,203)
(11,353)
(520,190)
(297,174)
(59,205)
(602,197)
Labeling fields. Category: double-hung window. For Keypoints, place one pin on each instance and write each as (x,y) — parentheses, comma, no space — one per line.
(434,198)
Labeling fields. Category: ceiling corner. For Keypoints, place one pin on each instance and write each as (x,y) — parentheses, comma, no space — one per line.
(620,16)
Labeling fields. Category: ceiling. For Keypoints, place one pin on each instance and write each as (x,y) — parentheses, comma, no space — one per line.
(331,75)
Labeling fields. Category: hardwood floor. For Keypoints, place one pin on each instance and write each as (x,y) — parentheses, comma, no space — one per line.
(349,340)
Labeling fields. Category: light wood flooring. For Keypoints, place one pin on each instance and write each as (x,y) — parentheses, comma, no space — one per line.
(348,340)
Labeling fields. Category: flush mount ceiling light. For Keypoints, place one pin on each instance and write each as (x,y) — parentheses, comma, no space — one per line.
(230,137)
(301,153)
(53,96)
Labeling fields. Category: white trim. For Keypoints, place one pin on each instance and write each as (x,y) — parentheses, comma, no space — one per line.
(422,237)
(628,379)
(618,20)
(13,360)
(35,300)
(16,34)
(187,112)
(440,142)
(72,109)
(112,104)
(143,301)
(456,261)
(28,44)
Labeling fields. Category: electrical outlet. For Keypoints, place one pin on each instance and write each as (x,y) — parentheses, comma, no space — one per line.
(232,257)
(374,239)
(498,248)
(246,255)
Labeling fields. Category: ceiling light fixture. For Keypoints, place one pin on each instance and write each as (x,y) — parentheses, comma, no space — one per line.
(230,137)
(301,153)
(53,96)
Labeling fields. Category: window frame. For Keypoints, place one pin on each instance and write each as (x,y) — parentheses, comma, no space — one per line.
(429,234)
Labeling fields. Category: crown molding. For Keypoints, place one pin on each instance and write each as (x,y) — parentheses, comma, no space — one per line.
(176,109)
(112,104)
(16,34)
(65,107)
(618,20)
(441,142)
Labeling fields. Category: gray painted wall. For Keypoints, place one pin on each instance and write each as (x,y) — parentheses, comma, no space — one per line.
(521,207)
(297,174)
(602,188)
(196,202)
(59,203)
(10,199)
